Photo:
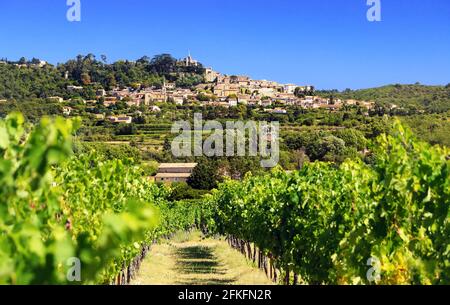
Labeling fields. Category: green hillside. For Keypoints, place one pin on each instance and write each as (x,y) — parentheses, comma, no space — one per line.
(24,79)
(417,96)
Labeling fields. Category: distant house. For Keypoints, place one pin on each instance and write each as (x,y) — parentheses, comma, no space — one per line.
(120,119)
(211,75)
(136,102)
(121,94)
(289,88)
(189,62)
(157,96)
(174,172)
(270,92)
(56,99)
(178,100)
(169,86)
(108,101)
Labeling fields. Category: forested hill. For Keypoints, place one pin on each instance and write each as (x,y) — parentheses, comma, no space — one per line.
(27,79)
(430,98)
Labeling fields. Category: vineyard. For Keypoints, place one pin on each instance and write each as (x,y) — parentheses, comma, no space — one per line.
(321,225)
(328,225)
(55,207)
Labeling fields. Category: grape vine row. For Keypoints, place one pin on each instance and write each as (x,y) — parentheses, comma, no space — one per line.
(326,225)
(55,207)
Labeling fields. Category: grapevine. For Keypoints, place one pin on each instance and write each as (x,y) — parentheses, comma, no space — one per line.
(324,223)
(55,206)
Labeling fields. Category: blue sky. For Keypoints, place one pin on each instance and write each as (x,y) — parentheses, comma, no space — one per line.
(327,43)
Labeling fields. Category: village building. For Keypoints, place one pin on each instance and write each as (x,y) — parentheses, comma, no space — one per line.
(169,86)
(211,75)
(56,99)
(120,94)
(289,88)
(189,61)
(121,119)
(135,102)
(110,100)
(178,100)
(270,92)
(175,172)
(158,96)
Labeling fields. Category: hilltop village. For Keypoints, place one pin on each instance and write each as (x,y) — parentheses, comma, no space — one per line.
(214,89)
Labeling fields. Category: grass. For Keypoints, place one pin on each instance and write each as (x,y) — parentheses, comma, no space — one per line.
(190,259)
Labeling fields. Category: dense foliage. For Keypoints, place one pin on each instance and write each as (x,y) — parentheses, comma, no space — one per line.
(54,207)
(325,223)
(434,129)
(27,80)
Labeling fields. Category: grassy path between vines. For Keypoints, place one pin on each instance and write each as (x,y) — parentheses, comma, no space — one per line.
(190,259)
